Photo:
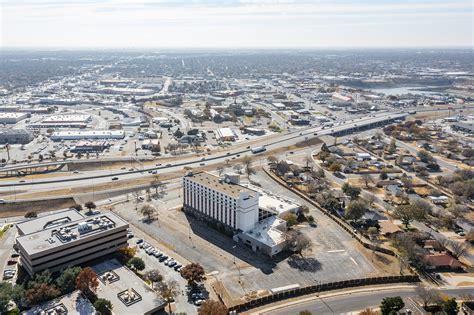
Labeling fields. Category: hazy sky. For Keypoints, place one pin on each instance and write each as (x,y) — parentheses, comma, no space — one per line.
(239,24)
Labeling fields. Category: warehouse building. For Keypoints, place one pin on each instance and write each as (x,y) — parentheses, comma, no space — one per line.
(15,136)
(87,135)
(68,238)
(67,119)
(12,118)
(225,134)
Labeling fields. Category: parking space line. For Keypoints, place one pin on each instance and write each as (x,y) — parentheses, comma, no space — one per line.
(353,260)
(336,251)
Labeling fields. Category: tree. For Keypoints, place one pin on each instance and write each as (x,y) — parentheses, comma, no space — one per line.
(87,281)
(426,295)
(66,282)
(5,296)
(450,306)
(220,170)
(153,276)
(392,148)
(90,205)
(369,311)
(211,307)
(148,210)
(367,179)
(355,210)
(383,176)
(372,231)
(247,163)
(290,219)
(136,263)
(299,242)
(422,207)
(238,168)
(407,183)
(156,183)
(272,159)
(408,213)
(335,167)
(425,156)
(41,292)
(104,306)
(457,249)
(283,167)
(391,305)
(128,252)
(31,214)
(351,191)
(193,273)
(168,291)
(370,198)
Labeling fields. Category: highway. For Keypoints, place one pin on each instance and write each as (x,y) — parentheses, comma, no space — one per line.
(355,301)
(102,176)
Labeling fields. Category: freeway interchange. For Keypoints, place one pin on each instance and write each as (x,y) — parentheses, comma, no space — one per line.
(287,139)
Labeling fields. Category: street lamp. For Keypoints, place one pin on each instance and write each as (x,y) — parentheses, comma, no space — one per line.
(235,263)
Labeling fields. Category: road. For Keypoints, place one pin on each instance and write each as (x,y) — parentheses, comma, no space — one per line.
(414,150)
(355,301)
(102,176)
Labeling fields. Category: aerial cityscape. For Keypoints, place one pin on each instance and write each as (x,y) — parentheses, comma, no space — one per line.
(238,179)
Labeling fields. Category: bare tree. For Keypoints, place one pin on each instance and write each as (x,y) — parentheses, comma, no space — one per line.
(168,291)
(247,163)
(366,179)
(298,242)
(149,211)
(426,295)
(238,168)
(457,249)
(220,170)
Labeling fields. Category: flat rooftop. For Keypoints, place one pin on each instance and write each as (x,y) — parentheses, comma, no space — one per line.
(127,292)
(57,234)
(216,183)
(72,304)
(267,232)
(276,204)
(41,223)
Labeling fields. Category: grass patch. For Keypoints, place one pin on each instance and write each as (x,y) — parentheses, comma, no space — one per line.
(4,230)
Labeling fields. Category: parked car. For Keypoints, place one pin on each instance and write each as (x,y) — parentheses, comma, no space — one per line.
(139,241)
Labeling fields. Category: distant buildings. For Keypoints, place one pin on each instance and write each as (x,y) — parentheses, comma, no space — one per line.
(464,127)
(88,135)
(12,118)
(89,146)
(225,134)
(15,136)
(68,238)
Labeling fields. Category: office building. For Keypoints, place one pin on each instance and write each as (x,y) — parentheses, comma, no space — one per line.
(68,238)
(221,200)
(125,290)
(74,303)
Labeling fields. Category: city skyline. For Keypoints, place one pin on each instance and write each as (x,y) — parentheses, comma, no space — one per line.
(236,24)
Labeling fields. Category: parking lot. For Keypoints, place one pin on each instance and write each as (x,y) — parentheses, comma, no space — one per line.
(335,255)
(160,260)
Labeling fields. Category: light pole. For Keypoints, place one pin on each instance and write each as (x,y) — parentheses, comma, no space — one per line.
(235,263)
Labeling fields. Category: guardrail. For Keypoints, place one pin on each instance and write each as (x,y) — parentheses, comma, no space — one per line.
(321,288)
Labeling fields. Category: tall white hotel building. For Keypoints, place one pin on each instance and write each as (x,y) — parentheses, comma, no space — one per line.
(222,200)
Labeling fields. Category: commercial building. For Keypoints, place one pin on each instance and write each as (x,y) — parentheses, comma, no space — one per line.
(125,290)
(251,213)
(463,127)
(90,146)
(221,200)
(67,119)
(68,238)
(74,303)
(268,236)
(12,118)
(225,134)
(92,134)
(15,136)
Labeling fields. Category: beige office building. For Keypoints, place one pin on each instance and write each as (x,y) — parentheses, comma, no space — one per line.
(68,238)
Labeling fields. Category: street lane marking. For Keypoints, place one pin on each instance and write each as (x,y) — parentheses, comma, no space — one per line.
(336,251)
(353,260)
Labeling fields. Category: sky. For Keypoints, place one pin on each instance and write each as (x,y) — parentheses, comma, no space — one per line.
(236,24)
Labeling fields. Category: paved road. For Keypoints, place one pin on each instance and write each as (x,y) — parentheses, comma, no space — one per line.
(355,301)
(414,150)
(102,176)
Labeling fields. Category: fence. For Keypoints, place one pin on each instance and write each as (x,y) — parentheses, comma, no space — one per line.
(321,288)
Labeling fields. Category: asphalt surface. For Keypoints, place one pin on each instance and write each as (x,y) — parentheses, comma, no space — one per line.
(356,301)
